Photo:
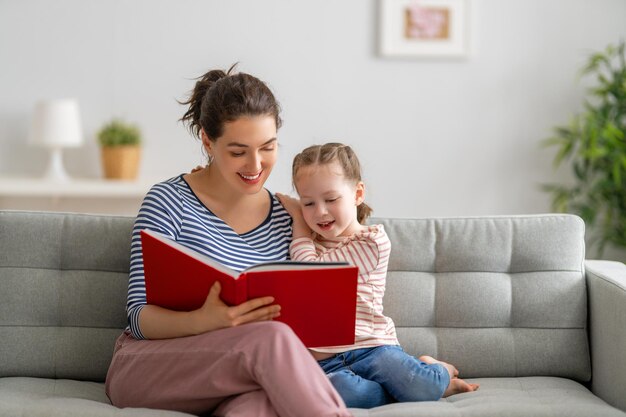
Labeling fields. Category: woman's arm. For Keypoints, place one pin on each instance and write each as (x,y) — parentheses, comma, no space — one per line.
(160,323)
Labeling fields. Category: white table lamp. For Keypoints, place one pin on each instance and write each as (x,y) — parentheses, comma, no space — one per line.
(56,125)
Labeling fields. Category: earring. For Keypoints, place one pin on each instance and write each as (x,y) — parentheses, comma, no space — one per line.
(209,159)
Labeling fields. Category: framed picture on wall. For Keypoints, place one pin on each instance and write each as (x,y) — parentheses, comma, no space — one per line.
(423,28)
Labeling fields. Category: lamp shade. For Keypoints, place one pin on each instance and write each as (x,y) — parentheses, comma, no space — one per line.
(56,124)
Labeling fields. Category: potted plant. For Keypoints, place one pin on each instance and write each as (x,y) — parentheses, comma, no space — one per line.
(595,145)
(120,144)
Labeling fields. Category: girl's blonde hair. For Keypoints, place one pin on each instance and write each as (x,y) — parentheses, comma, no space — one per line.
(326,154)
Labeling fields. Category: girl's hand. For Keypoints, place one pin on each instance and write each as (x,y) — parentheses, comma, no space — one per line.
(215,314)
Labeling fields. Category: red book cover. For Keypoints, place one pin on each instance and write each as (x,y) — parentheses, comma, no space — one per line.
(317,299)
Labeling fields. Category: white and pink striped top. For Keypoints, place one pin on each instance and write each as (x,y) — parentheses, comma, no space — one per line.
(369,251)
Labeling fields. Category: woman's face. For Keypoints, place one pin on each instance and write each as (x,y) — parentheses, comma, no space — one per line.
(245,153)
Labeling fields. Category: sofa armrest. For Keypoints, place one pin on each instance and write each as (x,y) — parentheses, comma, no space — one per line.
(606,283)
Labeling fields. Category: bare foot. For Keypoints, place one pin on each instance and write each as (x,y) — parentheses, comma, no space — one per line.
(454,373)
(458,386)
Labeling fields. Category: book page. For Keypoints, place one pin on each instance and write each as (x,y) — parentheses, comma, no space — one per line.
(295,265)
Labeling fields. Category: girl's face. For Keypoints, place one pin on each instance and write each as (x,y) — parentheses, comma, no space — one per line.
(245,153)
(329,200)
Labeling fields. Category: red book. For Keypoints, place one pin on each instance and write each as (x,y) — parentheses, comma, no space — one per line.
(317,299)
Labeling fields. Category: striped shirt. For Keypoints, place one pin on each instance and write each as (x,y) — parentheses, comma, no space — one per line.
(369,251)
(172,209)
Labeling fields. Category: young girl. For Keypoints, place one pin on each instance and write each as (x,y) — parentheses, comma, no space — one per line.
(327,226)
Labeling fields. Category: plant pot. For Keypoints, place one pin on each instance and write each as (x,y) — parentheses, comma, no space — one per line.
(121,162)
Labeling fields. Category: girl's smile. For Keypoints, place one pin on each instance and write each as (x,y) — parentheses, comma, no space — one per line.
(326,226)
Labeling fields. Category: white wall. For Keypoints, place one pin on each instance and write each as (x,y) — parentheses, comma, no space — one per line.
(436,137)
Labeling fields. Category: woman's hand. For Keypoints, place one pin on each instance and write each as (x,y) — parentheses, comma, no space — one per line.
(292,205)
(215,314)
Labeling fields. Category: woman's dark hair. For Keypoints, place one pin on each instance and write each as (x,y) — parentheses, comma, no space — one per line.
(220,97)
(326,154)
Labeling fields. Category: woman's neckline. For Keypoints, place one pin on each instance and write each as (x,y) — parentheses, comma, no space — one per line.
(263,223)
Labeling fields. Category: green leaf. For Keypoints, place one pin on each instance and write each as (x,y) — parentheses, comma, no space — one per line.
(553,142)
(579,170)
(118,132)
(617,174)
(564,152)
(594,144)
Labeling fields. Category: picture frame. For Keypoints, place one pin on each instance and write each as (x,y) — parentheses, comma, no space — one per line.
(423,28)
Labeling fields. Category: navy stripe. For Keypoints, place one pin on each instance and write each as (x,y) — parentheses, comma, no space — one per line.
(172,209)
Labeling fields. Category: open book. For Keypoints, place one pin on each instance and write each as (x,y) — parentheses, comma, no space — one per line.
(317,299)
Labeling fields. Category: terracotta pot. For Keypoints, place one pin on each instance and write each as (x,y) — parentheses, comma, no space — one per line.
(121,162)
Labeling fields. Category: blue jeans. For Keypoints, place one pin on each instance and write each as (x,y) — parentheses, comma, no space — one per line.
(371,377)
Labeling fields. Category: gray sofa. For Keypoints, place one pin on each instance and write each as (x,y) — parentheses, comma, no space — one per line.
(509,300)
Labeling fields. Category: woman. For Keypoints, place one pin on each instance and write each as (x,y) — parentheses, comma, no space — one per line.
(231,361)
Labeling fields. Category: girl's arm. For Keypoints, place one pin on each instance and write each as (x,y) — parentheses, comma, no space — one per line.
(365,251)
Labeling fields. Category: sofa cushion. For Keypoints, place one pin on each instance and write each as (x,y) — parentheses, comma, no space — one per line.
(511,397)
(532,396)
(40,397)
(495,296)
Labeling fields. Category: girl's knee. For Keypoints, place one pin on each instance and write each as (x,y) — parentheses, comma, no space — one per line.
(432,392)
(358,392)
(430,385)
(388,358)
(406,378)
(442,380)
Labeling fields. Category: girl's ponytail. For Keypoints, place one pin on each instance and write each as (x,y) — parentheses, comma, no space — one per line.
(363,211)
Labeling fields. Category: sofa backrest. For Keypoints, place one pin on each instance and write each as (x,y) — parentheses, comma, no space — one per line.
(63,284)
(495,296)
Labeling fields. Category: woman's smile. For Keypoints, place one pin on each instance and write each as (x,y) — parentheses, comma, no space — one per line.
(250,179)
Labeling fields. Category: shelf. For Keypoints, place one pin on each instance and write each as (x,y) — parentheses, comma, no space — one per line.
(79,187)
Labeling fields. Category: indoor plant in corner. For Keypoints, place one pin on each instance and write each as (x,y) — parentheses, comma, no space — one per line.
(120,144)
(595,145)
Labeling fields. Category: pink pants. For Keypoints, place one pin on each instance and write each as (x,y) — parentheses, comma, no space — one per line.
(258,369)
